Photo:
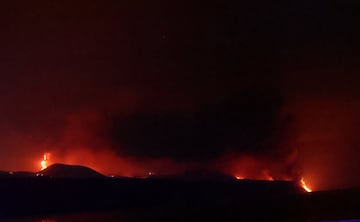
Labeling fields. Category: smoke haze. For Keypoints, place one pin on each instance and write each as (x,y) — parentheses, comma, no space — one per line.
(131,88)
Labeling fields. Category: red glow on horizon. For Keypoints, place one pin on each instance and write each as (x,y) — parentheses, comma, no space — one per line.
(109,163)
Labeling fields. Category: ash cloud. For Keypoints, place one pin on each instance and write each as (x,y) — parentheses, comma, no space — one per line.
(250,124)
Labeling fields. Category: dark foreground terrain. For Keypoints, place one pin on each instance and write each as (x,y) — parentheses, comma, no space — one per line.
(118,199)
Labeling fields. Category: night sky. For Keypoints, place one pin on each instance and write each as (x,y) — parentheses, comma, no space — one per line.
(130,87)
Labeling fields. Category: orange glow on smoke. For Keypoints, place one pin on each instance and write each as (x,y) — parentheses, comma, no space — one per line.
(267,176)
(304,185)
(270,178)
(45,162)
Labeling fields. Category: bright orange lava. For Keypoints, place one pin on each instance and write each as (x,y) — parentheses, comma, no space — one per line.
(239,177)
(270,178)
(304,186)
(45,161)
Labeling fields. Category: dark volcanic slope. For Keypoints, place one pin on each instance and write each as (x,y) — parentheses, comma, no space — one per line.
(44,195)
(198,174)
(70,171)
(224,200)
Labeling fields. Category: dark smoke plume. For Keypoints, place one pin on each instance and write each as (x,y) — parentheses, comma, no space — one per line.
(251,124)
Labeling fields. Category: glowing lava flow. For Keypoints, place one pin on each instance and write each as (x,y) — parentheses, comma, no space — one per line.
(304,186)
(44,162)
(239,177)
(269,178)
